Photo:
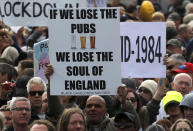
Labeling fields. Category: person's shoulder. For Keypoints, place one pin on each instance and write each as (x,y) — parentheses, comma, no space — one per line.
(10,128)
(108,124)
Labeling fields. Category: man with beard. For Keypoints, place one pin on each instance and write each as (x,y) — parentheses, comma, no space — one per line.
(35,88)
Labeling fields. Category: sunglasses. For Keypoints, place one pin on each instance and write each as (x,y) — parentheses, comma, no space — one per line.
(33,93)
(184,129)
(132,99)
(170,67)
(144,91)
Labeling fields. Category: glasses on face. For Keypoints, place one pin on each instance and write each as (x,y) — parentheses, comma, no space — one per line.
(184,129)
(21,109)
(146,91)
(170,67)
(132,99)
(33,93)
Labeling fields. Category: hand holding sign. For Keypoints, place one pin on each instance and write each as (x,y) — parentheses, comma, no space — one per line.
(122,93)
(49,71)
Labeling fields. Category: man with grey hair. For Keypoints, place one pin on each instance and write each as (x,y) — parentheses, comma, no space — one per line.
(35,88)
(182,83)
(21,113)
(96,114)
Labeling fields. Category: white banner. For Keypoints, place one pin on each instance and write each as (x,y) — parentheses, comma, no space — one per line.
(143,46)
(33,12)
(85,51)
(96,3)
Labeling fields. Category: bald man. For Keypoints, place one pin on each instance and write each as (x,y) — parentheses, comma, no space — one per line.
(96,114)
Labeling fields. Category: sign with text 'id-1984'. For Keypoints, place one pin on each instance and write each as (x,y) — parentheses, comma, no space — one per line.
(143,46)
(33,12)
(84,50)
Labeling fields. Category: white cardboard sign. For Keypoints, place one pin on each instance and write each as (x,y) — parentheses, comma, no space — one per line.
(85,51)
(33,12)
(143,46)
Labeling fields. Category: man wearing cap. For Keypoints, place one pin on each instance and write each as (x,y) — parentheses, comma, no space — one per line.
(182,83)
(125,121)
(186,106)
(171,105)
(174,46)
(185,68)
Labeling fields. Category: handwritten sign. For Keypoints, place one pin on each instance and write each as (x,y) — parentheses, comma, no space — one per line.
(41,59)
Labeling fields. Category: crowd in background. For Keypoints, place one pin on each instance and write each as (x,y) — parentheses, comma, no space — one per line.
(148,104)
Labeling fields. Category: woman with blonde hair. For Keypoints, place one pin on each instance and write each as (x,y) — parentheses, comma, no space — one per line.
(72,119)
(182,124)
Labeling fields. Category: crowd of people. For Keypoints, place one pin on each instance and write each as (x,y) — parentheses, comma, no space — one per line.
(141,104)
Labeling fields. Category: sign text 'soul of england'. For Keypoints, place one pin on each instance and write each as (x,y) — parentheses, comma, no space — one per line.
(86,70)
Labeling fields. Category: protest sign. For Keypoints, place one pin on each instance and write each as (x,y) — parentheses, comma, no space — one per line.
(33,12)
(84,50)
(41,58)
(143,46)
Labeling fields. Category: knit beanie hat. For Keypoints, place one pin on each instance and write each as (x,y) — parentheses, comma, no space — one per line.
(151,85)
(187,18)
(10,53)
(146,11)
(172,97)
